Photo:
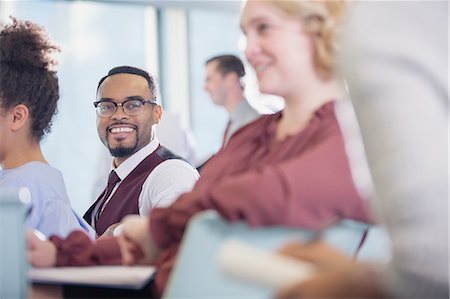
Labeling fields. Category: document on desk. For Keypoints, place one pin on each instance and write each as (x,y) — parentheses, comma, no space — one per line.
(134,277)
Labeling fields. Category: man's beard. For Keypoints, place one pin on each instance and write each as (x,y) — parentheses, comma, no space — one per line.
(122,151)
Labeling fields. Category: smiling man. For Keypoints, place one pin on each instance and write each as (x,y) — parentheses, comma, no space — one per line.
(145,174)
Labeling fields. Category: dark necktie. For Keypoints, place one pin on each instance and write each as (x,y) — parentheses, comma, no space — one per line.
(113,179)
(225,134)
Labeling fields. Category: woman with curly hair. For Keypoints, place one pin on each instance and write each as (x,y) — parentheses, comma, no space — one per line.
(29,94)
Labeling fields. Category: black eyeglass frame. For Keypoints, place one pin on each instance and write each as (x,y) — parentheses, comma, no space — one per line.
(127,99)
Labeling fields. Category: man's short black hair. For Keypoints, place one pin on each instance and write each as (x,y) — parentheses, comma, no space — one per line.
(134,71)
(228,63)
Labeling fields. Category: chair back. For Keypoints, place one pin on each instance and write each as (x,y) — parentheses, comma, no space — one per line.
(13,262)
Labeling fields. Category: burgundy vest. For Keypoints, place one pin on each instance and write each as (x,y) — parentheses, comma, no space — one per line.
(125,200)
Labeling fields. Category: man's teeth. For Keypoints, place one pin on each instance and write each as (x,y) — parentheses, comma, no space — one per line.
(121,130)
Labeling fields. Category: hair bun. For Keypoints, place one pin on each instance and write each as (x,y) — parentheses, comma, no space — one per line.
(26,44)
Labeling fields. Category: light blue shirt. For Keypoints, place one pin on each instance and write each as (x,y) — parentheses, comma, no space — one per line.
(42,187)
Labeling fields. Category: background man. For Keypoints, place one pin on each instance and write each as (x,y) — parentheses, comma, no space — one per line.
(224,84)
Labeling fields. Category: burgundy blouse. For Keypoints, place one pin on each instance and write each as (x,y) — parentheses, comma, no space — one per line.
(303,181)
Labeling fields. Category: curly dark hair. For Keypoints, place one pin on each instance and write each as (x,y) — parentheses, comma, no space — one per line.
(27,74)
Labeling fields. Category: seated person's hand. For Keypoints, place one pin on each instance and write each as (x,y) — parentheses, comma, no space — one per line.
(337,276)
(110,231)
(41,252)
(320,254)
(135,241)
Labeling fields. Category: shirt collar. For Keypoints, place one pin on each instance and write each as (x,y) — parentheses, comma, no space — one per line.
(241,111)
(124,169)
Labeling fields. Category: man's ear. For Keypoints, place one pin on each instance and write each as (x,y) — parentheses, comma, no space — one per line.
(19,117)
(231,78)
(157,113)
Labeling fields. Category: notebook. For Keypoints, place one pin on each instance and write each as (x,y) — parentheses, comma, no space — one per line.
(123,277)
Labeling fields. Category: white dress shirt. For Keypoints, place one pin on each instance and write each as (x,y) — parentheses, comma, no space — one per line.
(163,185)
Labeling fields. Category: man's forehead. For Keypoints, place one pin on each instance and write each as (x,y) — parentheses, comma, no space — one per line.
(212,67)
(126,78)
(125,81)
(126,84)
(213,64)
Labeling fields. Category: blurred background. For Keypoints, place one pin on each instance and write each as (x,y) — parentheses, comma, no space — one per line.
(170,39)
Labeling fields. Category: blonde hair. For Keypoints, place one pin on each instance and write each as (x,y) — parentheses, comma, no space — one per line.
(322,20)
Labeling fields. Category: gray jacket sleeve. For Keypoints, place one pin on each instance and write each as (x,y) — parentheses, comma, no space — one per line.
(394,56)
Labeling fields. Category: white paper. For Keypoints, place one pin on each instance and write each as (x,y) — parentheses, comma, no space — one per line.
(134,277)
(274,270)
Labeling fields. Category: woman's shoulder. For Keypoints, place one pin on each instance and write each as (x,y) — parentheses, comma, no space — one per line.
(39,171)
(40,178)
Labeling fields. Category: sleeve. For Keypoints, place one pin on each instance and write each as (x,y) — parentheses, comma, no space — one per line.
(79,250)
(165,184)
(168,224)
(57,218)
(306,191)
(401,103)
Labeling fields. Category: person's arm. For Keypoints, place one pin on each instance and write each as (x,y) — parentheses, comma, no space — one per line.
(57,218)
(40,252)
(398,79)
(336,276)
(76,250)
(136,242)
(165,184)
(135,245)
(306,191)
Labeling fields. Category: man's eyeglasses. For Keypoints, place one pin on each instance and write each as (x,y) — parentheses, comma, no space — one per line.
(131,106)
